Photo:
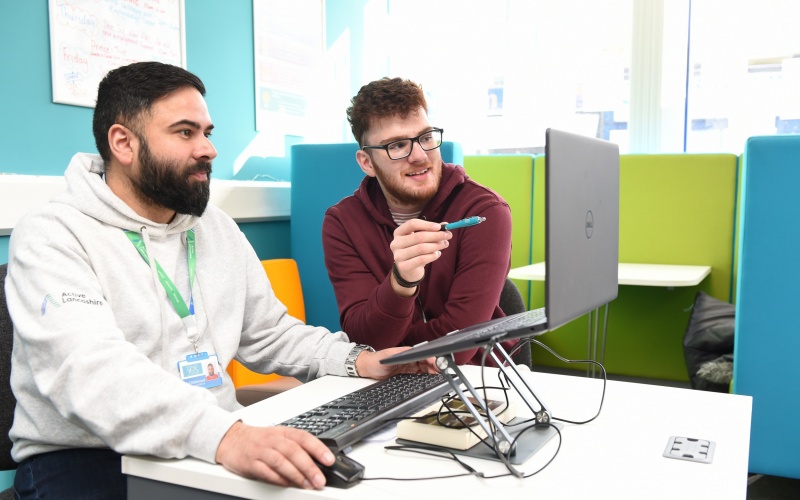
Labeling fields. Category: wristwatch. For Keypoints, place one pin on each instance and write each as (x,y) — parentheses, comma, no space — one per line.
(350,362)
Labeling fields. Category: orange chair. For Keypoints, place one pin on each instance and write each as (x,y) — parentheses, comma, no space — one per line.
(250,386)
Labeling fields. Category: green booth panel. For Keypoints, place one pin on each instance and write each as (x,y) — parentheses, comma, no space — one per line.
(510,176)
(674,209)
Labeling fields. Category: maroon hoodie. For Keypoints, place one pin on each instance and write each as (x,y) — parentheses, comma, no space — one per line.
(460,289)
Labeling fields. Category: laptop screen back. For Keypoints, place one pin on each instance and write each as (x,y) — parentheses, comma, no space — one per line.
(582,229)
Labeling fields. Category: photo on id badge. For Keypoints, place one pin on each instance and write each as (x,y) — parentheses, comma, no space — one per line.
(201,370)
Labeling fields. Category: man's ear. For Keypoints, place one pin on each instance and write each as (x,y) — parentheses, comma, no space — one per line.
(123,143)
(365,162)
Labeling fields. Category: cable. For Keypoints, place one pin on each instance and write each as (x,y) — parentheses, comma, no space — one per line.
(436,451)
(565,360)
(555,454)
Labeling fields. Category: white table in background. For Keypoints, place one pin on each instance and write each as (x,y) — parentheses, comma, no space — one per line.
(663,275)
(618,455)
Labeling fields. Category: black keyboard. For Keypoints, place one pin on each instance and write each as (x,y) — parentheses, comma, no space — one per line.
(350,418)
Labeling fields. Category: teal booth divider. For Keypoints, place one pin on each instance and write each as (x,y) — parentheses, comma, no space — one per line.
(323,174)
(768,289)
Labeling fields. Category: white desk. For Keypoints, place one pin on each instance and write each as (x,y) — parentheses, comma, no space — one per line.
(664,275)
(618,455)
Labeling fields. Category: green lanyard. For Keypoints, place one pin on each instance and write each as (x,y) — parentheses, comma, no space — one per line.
(186,313)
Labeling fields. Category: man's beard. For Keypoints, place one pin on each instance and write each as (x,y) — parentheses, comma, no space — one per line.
(404,195)
(166,184)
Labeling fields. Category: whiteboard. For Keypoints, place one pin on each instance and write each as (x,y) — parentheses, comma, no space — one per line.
(89,38)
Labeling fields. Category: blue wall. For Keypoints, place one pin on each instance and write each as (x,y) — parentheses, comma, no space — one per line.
(36,136)
(219,49)
(269,239)
(39,137)
(3,249)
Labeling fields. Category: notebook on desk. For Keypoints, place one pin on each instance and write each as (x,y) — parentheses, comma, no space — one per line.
(581,247)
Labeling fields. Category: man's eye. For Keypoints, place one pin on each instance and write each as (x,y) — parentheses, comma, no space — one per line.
(426,138)
(397,146)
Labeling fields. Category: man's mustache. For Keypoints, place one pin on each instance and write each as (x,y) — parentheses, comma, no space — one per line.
(202,167)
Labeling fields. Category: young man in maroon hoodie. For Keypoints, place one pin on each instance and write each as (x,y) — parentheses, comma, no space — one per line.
(399,278)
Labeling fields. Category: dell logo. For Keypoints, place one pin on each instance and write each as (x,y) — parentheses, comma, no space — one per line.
(589,224)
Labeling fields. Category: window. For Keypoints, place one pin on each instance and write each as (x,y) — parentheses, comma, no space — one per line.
(744,72)
(651,75)
(498,73)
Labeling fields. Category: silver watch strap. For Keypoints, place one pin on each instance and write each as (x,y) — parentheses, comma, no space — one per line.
(350,362)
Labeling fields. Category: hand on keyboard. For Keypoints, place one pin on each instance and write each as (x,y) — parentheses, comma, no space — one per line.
(277,455)
(369,366)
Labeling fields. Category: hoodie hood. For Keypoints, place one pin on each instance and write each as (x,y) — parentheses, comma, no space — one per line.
(369,193)
(88,193)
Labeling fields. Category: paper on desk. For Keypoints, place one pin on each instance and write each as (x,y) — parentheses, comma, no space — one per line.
(381,436)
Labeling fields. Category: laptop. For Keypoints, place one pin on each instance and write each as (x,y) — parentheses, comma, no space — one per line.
(581,247)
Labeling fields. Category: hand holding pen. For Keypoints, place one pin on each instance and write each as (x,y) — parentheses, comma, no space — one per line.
(416,244)
(469,221)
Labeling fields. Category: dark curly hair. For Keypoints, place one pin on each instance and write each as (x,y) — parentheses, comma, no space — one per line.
(127,93)
(380,99)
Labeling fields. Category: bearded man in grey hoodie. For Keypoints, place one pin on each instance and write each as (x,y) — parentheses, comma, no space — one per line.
(130,276)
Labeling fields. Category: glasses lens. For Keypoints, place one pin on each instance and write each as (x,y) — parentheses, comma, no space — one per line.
(431,140)
(399,149)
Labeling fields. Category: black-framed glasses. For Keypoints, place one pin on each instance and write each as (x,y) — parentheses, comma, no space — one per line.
(397,150)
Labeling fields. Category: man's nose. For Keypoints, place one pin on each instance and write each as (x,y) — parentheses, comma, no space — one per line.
(206,149)
(417,153)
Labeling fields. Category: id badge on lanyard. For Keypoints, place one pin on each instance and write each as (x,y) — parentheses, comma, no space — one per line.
(200,368)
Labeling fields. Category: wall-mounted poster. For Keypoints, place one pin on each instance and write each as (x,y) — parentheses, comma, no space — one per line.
(288,39)
(88,38)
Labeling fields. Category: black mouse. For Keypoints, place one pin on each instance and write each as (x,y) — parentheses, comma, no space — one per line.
(344,473)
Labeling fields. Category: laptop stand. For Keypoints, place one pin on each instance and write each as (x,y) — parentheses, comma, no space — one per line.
(501,437)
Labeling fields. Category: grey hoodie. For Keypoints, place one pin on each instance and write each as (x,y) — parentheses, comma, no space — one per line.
(97,342)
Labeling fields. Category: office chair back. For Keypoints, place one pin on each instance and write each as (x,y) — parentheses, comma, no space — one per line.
(511,302)
(7,400)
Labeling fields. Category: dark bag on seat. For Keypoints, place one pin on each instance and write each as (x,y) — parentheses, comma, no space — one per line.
(708,343)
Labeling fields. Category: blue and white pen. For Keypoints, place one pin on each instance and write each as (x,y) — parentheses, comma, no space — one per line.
(469,221)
